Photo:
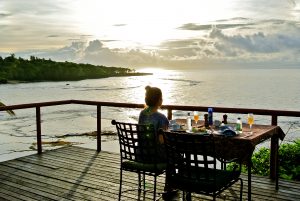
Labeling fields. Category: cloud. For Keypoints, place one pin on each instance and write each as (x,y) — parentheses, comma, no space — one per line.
(205,27)
(192,26)
(4,14)
(173,44)
(234,19)
(255,43)
(265,9)
(216,49)
(96,53)
(267,43)
(94,46)
(119,25)
(40,7)
(270,43)
(53,36)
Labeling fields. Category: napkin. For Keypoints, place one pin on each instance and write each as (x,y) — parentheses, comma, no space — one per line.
(227,131)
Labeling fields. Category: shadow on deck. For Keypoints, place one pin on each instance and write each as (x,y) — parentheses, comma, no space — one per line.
(75,173)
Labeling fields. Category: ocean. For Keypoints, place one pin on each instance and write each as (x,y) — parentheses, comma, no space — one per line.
(239,88)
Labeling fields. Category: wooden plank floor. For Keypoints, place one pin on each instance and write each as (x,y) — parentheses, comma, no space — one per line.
(75,173)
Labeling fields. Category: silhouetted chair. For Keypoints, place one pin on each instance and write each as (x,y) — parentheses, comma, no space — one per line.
(139,151)
(192,165)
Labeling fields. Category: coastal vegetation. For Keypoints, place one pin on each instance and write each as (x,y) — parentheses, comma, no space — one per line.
(40,69)
(289,161)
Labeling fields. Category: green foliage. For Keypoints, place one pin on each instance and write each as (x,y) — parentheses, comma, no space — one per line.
(36,69)
(289,160)
(261,162)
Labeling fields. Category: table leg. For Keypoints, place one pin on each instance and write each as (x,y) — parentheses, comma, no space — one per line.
(274,157)
(249,178)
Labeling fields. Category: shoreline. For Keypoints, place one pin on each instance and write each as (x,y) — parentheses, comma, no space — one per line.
(34,81)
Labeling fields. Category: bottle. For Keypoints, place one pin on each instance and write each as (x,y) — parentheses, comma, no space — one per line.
(225,119)
(210,116)
(189,122)
(239,125)
(206,121)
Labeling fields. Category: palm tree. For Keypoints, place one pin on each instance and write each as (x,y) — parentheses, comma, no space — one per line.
(10,112)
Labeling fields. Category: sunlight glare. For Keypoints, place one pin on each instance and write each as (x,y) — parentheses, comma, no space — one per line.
(143,23)
(160,79)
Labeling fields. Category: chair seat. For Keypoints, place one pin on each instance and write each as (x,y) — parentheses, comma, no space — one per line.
(158,168)
(197,181)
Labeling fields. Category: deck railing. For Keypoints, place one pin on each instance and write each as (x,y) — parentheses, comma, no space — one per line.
(273,113)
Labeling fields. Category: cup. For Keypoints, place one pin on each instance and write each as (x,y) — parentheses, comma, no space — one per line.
(175,127)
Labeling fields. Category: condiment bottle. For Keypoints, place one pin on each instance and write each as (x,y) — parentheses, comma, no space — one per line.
(225,118)
(210,116)
(189,122)
(239,125)
(206,121)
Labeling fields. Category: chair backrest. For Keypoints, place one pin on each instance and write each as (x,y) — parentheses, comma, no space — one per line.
(138,142)
(191,156)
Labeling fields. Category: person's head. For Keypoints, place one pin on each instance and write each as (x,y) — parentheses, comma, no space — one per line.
(153,96)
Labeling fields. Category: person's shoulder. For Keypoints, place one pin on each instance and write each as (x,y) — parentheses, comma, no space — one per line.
(161,115)
(142,112)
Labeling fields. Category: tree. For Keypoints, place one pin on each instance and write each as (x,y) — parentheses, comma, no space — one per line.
(10,58)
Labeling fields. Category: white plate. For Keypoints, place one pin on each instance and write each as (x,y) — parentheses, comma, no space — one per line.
(199,133)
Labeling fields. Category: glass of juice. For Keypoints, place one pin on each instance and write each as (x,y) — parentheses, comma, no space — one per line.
(196,117)
(250,120)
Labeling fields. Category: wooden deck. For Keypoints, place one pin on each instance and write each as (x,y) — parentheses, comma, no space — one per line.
(75,173)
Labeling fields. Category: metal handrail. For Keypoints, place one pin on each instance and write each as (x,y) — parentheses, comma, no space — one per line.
(266,112)
(273,113)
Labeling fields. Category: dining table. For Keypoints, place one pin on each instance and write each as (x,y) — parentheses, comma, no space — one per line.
(242,145)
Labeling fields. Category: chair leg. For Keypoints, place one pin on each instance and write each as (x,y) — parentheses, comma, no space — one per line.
(188,196)
(154,191)
(144,181)
(120,187)
(241,190)
(139,182)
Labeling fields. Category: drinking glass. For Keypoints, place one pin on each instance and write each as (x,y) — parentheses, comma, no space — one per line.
(196,117)
(250,121)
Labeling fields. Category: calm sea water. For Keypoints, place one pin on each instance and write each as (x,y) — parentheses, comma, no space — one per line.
(249,88)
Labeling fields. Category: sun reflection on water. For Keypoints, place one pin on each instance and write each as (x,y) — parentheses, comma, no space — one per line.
(159,78)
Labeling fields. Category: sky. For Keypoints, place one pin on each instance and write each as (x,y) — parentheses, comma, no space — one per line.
(170,34)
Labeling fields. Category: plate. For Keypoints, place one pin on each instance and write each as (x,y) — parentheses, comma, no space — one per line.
(197,132)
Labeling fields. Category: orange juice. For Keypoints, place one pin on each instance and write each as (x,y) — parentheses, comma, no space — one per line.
(250,120)
(196,117)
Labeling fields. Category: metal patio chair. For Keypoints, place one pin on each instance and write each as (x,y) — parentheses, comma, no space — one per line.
(192,165)
(139,152)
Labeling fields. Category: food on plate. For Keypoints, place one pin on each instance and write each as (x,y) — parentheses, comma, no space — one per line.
(201,129)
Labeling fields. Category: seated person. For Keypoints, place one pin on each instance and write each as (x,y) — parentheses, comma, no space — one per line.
(150,115)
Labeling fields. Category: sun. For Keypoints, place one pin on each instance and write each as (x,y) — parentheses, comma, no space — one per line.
(144,24)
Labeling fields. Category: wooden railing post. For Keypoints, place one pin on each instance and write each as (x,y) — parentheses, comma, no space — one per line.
(274,152)
(38,130)
(98,128)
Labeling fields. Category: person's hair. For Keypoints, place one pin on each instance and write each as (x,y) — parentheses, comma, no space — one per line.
(153,95)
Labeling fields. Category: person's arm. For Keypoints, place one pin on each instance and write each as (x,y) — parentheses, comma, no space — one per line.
(164,126)
(140,118)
